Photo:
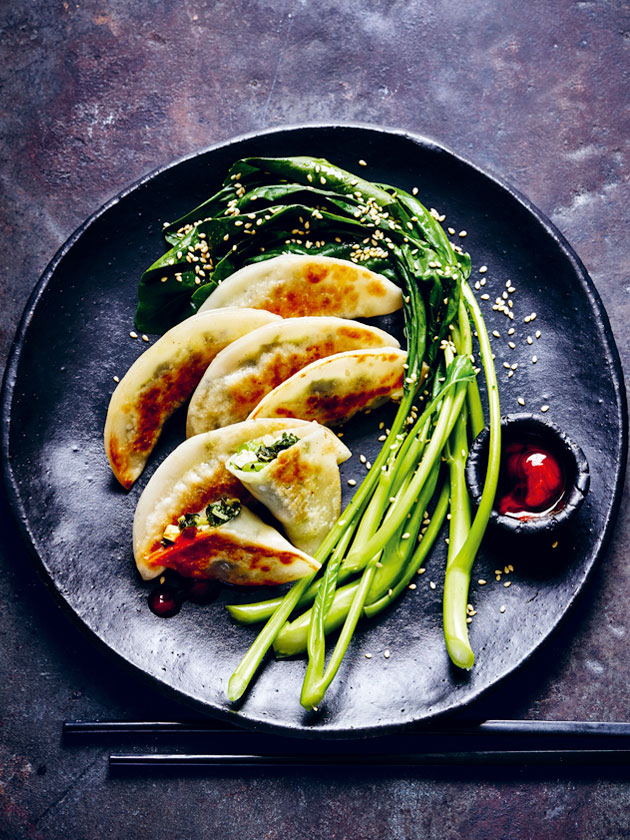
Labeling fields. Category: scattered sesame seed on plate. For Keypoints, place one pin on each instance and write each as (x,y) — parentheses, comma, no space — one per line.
(534,359)
(362,162)
(432,584)
(502,608)
(386,653)
(544,408)
(351,482)
(520,400)
(117,379)
(463,233)
(133,334)
(483,269)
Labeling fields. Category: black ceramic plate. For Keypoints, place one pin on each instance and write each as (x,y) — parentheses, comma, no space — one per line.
(74,338)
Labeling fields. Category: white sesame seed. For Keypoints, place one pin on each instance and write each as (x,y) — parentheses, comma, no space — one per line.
(520,401)
(133,334)
(511,345)
(544,408)
(432,584)
(496,333)
(386,653)
(483,269)
(481,582)
(362,458)
(145,337)
(555,544)
(538,333)
(534,359)
(502,608)
(117,379)
(412,586)
(529,339)
(362,162)
(421,571)
(368,655)
(462,233)
(351,482)
(507,583)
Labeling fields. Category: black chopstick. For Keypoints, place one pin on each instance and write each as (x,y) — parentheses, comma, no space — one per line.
(490,742)
(616,730)
(181,761)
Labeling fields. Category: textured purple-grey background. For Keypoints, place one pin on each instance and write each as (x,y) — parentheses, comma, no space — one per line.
(95,95)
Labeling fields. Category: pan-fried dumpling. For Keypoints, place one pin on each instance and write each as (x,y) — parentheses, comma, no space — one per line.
(334,389)
(292,285)
(228,542)
(163,378)
(241,375)
(189,479)
(296,475)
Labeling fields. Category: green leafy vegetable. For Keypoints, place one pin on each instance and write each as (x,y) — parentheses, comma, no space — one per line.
(188,520)
(264,454)
(217,513)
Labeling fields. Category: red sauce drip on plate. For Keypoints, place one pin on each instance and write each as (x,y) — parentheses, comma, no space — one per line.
(166,599)
(532,481)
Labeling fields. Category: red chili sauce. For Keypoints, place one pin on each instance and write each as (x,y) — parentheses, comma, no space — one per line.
(166,599)
(532,481)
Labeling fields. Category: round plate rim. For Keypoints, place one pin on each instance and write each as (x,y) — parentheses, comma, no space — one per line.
(9,379)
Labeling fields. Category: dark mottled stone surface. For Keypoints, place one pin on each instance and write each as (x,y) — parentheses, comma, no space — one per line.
(96,95)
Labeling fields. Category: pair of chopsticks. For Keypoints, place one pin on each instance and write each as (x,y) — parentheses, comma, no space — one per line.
(491,742)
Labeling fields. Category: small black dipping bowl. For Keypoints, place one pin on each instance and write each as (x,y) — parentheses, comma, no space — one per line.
(527,428)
